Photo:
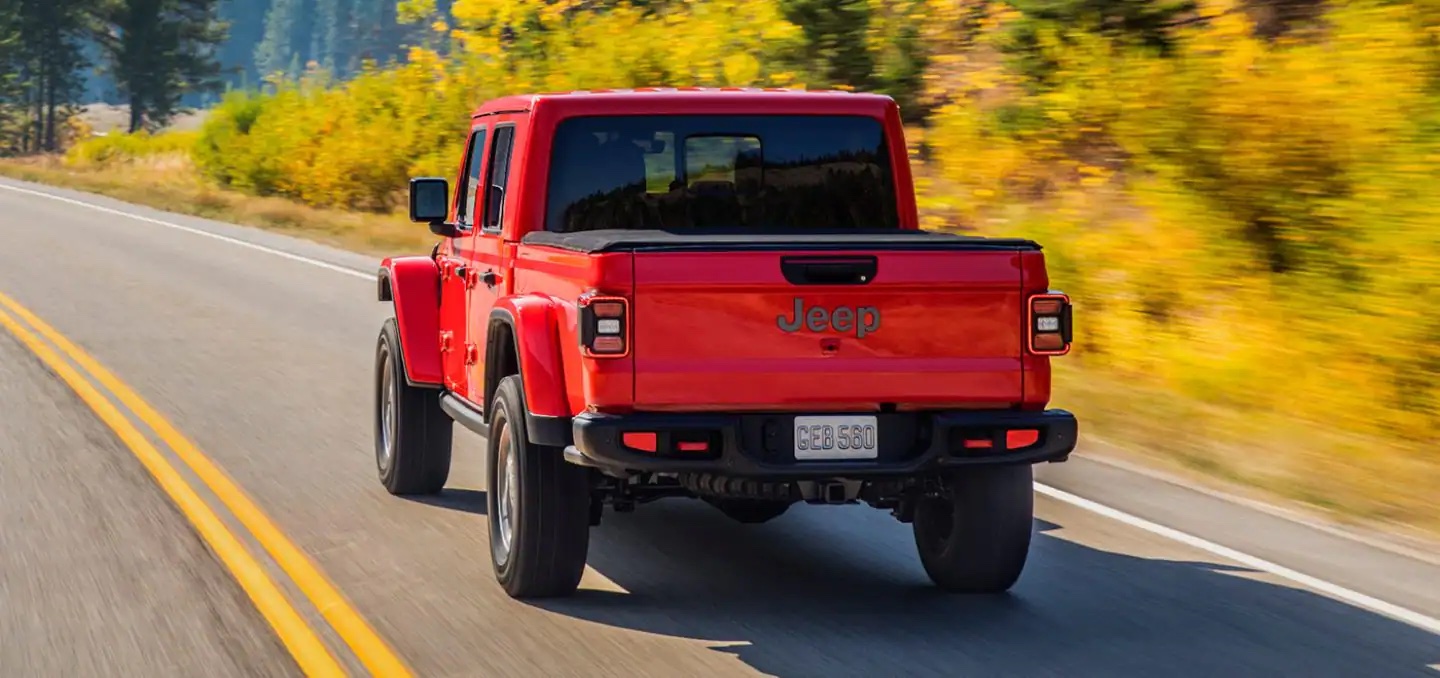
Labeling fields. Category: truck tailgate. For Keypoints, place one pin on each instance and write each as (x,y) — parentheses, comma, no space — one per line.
(827,330)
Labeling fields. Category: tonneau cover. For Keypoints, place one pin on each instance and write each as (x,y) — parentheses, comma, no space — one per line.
(615,240)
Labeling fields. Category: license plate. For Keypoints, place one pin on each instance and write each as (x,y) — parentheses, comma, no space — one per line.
(833,438)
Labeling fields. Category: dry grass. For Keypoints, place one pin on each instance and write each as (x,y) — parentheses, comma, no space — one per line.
(1266,455)
(1348,479)
(170,183)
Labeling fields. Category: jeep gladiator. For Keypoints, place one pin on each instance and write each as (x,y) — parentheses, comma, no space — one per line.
(722,295)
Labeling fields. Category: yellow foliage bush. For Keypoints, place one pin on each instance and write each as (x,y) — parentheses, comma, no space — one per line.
(353,144)
(558,46)
(114,149)
(1245,221)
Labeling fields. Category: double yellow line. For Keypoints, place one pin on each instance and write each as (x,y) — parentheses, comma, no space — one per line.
(299,638)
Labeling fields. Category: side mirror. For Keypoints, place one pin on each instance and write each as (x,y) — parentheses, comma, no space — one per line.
(429,200)
(494,201)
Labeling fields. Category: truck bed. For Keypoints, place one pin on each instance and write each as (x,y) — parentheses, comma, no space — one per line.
(629,240)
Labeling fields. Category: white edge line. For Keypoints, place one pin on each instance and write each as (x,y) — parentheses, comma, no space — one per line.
(1353,597)
(1401,544)
(1356,598)
(188,229)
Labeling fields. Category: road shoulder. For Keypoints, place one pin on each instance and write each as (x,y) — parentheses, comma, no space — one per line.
(1298,543)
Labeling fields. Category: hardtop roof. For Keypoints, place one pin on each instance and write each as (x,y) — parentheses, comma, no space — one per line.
(661,98)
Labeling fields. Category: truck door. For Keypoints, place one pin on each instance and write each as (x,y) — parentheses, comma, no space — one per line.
(491,275)
(455,269)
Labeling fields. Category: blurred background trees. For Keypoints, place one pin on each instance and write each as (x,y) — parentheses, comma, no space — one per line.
(151,55)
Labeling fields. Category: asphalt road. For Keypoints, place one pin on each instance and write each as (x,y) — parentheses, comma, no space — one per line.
(265,363)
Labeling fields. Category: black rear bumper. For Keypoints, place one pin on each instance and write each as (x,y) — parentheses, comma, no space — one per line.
(761,445)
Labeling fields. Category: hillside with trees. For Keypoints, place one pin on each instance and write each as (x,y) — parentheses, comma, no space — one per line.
(166,56)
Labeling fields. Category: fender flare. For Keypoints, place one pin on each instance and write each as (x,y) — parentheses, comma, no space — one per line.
(525,330)
(412,285)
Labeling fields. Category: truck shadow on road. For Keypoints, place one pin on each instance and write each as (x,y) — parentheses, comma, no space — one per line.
(826,591)
(455,499)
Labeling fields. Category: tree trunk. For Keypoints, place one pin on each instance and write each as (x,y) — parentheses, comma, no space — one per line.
(25,128)
(137,114)
(44,111)
(51,144)
(38,121)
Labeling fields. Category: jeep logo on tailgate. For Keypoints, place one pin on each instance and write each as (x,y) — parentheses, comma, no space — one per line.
(861,321)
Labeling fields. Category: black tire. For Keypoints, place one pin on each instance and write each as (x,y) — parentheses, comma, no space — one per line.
(750,511)
(548,516)
(976,539)
(412,453)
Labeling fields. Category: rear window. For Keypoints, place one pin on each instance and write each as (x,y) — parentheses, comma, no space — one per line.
(761,172)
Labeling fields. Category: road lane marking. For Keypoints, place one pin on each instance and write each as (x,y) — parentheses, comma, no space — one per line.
(1353,597)
(1350,596)
(1396,544)
(373,652)
(593,576)
(302,642)
(197,231)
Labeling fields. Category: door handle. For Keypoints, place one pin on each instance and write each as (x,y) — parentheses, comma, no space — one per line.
(490,278)
(829,270)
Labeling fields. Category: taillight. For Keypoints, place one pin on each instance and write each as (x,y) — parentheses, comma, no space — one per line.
(604,327)
(1049,324)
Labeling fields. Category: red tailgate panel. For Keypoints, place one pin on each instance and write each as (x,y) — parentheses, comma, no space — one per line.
(710,332)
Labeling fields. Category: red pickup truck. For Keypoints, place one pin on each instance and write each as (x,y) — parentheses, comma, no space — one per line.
(717,294)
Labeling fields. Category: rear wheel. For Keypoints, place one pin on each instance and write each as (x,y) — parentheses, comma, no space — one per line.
(976,538)
(750,510)
(412,433)
(539,505)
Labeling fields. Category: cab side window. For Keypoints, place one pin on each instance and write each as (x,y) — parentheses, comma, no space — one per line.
(499,175)
(471,181)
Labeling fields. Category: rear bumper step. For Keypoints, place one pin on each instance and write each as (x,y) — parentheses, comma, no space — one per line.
(761,445)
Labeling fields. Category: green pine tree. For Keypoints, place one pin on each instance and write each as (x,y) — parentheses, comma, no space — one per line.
(246,19)
(835,50)
(329,43)
(276,52)
(46,54)
(12,85)
(159,51)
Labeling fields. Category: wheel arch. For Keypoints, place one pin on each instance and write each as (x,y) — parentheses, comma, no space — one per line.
(536,359)
(412,286)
